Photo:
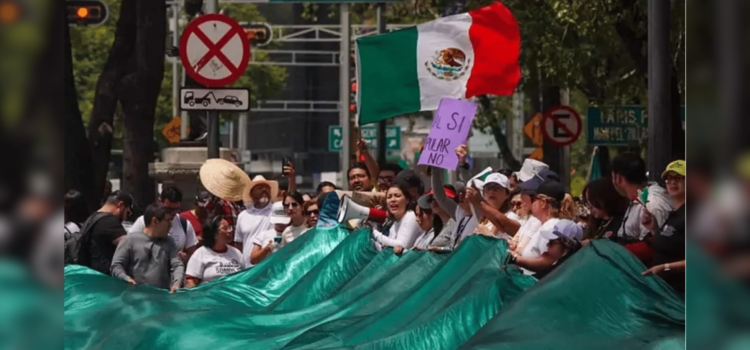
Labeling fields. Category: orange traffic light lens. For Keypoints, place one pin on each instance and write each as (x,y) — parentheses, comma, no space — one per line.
(82,12)
(9,12)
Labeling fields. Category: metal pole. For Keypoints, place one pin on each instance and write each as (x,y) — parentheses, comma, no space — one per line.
(565,174)
(731,79)
(242,131)
(382,147)
(176,70)
(344,90)
(212,6)
(659,97)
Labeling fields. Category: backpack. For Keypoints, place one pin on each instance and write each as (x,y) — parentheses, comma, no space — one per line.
(76,242)
(183,222)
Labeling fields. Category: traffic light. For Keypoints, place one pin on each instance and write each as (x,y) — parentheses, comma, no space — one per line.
(259,34)
(87,12)
(10,11)
(353,96)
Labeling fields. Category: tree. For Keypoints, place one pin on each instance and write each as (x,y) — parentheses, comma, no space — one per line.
(597,47)
(123,61)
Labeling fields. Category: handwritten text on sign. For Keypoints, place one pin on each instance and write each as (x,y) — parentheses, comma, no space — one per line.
(450,128)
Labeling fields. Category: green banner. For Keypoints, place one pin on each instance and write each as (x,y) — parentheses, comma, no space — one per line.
(333,289)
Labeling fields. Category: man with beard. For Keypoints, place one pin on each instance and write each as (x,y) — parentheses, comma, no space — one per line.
(106,231)
(256,218)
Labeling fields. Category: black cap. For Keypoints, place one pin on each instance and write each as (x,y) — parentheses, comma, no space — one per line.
(424,201)
(410,179)
(552,189)
(532,184)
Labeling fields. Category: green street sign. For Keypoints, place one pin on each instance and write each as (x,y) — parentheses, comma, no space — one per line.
(369,134)
(619,125)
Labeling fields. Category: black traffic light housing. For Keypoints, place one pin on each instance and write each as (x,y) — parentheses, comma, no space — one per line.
(259,34)
(86,12)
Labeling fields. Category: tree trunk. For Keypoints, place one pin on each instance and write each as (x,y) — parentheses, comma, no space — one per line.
(101,123)
(138,92)
(78,167)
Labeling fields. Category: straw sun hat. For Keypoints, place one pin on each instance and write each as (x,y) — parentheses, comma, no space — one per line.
(260,180)
(224,179)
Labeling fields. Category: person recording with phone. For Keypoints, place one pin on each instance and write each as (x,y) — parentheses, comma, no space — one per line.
(267,242)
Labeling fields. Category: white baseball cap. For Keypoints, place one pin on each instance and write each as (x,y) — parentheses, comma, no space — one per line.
(496,178)
(530,168)
(278,215)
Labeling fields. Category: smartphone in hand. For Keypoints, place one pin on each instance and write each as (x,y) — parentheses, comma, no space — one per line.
(285,162)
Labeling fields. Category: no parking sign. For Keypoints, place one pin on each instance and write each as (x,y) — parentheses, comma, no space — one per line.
(561,125)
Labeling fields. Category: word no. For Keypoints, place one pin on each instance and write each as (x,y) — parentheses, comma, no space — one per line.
(437,147)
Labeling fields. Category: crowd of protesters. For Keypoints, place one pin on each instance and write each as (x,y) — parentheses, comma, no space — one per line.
(543,224)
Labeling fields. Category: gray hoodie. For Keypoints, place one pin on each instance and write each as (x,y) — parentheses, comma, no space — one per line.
(148,260)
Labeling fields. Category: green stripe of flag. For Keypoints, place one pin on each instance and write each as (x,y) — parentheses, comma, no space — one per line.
(387,74)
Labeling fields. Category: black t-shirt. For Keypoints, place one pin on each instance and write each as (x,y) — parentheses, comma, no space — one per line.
(608,228)
(669,247)
(101,249)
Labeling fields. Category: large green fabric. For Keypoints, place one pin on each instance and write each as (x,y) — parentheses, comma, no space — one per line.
(597,300)
(330,289)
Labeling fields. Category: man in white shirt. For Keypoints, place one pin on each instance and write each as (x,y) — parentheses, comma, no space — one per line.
(629,178)
(256,218)
(181,232)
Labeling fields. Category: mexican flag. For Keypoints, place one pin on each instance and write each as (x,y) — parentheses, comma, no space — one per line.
(460,56)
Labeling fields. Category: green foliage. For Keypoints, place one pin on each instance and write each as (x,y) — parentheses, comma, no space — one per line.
(91,46)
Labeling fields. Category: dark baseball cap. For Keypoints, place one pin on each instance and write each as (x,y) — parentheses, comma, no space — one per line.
(552,189)
(424,201)
(540,177)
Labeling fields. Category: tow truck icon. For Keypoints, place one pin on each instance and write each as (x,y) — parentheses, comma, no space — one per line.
(206,100)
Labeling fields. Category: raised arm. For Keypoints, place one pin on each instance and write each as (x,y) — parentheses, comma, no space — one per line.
(372,166)
(499,219)
(439,194)
(291,176)
(463,168)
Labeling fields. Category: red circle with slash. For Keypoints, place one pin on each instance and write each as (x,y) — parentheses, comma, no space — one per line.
(561,125)
(214,50)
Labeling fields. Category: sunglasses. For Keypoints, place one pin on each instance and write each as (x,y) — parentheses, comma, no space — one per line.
(315,212)
(516,203)
(291,205)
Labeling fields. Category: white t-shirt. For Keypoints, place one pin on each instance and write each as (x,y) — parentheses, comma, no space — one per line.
(262,240)
(292,232)
(402,233)
(208,265)
(659,205)
(179,236)
(251,222)
(424,239)
(529,227)
(264,237)
(538,244)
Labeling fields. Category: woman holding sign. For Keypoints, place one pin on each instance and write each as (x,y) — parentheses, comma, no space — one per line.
(405,229)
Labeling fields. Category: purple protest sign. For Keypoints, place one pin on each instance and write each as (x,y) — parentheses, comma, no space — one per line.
(450,128)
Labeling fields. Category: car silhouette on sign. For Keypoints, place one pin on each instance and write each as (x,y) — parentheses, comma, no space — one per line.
(232,100)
